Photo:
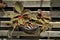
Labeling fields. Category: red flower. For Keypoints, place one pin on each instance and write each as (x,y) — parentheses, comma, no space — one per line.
(20,16)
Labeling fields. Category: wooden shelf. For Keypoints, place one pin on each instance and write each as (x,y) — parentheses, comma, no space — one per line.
(25,0)
(21,0)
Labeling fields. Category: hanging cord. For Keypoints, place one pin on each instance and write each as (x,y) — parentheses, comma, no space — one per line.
(40,11)
(10,34)
(50,28)
(41,3)
(3,11)
(49,23)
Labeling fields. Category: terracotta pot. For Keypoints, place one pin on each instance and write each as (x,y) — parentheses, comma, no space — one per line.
(27,30)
